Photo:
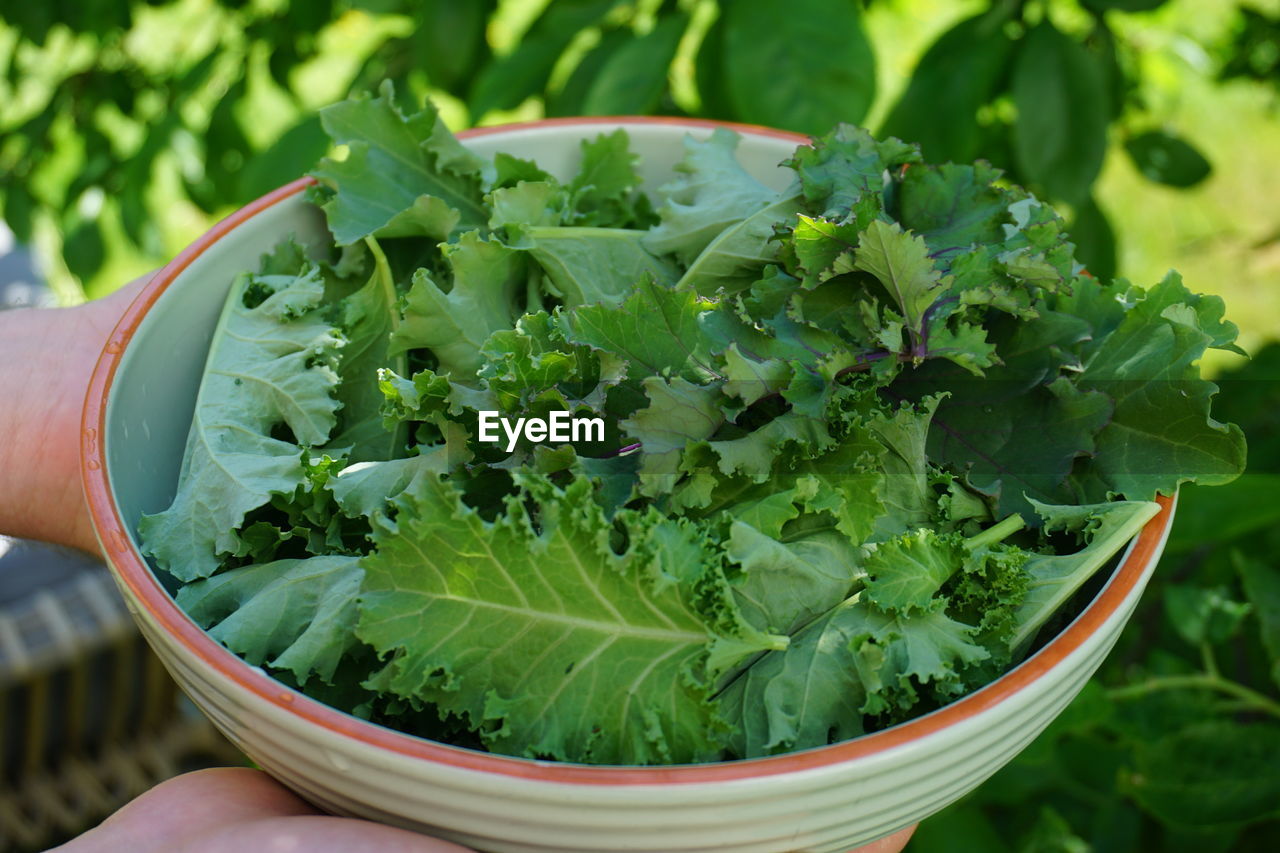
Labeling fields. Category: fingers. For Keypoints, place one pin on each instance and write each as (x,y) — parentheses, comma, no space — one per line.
(177,813)
(890,843)
(318,835)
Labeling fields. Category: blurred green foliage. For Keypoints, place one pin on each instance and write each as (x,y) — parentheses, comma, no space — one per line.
(126,128)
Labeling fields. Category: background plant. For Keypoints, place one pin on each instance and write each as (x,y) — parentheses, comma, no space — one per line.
(126,128)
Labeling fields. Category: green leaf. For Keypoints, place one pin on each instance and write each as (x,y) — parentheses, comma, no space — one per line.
(905,573)
(905,493)
(734,260)
(447,592)
(854,490)
(788,584)
(709,73)
(1095,240)
(591,265)
(1161,432)
(1210,774)
(1032,445)
(655,329)
(569,98)
(898,655)
(711,193)
(506,81)
(843,172)
(1060,91)
(449,42)
(296,615)
(1106,528)
(1167,159)
(954,207)
(403,175)
(900,262)
(830,67)
(959,73)
(634,78)
(749,379)
(290,156)
(678,413)
(606,180)
(366,487)
(270,363)
(370,317)
(1203,615)
(809,695)
(1262,587)
(1123,5)
(486,278)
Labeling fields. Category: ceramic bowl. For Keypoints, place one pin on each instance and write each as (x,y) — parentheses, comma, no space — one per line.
(828,799)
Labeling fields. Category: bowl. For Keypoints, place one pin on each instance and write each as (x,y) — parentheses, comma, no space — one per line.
(832,798)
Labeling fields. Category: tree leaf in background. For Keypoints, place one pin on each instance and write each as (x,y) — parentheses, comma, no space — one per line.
(1262,586)
(1123,5)
(83,249)
(449,40)
(569,98)
(226,149)
(1094,239)
(19,208)
(508,80)
(296,151)
(1210,774)
(1168,159)
(1203,615)
(830,72)
(959,73)
(633,79)
(709,73)
(1060,91)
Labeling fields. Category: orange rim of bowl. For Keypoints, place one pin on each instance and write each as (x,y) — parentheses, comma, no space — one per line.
(132,571)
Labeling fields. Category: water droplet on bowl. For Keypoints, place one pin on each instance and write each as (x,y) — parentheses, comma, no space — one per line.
(114,347)
(92,464)
(287,698)
(340,762)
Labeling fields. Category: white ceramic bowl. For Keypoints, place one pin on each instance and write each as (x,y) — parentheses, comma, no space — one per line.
(828,799)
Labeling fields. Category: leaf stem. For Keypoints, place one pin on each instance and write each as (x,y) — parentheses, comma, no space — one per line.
(1199,681)
(1209,661)
(996,532)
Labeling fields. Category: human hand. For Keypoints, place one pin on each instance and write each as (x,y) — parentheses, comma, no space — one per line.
(46,358)
(231,810)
